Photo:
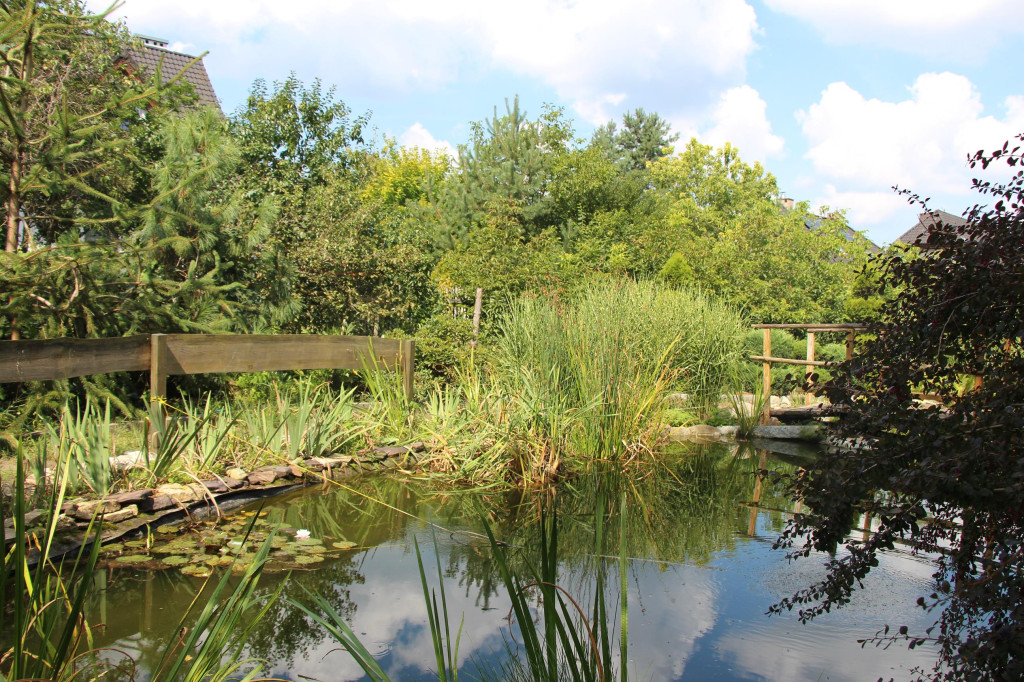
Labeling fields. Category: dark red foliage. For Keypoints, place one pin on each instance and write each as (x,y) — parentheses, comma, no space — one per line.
(959,311)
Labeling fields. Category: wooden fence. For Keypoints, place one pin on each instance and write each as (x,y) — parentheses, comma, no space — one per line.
(164,355)
(767,359)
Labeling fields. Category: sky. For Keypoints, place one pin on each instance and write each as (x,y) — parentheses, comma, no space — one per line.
(840,99)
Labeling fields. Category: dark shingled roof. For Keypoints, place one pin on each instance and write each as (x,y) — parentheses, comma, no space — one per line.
(927,220)
(153,50)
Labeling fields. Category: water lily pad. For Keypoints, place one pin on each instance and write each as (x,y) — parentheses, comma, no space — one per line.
(196,571)
(309,559)
(343,544)
(112,547)
(167,528)
(218,560)
(133,558)
(313,549)
(309,541)
(135,543)
(175,560)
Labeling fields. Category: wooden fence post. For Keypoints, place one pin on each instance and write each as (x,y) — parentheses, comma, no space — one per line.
(808,394)
(408,366)
(157,383)
(477,308)
(850,336)
(767,369)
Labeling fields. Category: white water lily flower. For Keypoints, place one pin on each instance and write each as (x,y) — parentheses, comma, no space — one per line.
(301,534)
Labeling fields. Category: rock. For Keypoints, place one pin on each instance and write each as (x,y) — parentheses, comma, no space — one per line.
(261,477)
(177,492)
(157,503)
(806,432)
(328,462)
(84,511)
(125,513)
(418,446)
(700,431)
(729,431)
(32,516)
(313,464)
(199,489)
(132,459)
(236,474)
(132,496)
(215,486)
(392,451)
(66,523)
(295,471)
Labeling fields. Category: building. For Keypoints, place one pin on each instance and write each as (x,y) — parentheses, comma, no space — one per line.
(154,51)
(787,204)
(925,222)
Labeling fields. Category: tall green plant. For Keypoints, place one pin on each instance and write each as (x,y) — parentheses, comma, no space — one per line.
(82,438)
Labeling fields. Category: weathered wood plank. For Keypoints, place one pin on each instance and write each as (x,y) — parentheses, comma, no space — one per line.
(788,361)
(202,353)
(841,326)
(49,359)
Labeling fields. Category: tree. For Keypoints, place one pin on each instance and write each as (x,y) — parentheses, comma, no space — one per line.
(956,312)
(644,138)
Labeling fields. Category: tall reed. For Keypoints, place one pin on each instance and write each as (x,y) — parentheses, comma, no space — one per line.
(589,380)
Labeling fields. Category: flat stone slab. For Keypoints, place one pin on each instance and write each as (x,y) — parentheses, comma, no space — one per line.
(806,432)
(700,432)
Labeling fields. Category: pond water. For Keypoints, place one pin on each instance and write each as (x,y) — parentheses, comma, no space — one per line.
(701,576)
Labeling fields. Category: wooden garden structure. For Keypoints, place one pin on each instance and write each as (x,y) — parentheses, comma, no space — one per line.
(164,355)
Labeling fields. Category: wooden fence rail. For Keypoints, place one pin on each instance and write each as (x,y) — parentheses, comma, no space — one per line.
(164,355)
(766,359)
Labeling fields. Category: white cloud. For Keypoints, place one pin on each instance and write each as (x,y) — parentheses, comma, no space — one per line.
(597,55)
(418,136)
(948,27)
(921,143)
(740,119)
(885,214)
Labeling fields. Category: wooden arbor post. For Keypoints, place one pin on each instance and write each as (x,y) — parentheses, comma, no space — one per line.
(766,368)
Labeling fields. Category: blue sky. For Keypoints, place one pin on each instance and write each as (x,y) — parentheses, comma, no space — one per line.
(840,99)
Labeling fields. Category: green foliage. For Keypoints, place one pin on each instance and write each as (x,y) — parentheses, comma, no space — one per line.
(443,345)
(956,311)
(645,137)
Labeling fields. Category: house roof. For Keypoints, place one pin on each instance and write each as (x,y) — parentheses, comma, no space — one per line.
(925,221)
(850,234)
(154,50)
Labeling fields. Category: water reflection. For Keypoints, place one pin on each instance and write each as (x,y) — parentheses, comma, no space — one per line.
(698,528)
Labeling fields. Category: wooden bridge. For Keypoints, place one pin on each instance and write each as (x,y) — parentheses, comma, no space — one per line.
(810,411)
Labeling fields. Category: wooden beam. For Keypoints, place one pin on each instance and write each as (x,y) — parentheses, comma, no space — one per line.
(844,326)
(766,370)
(406,360)
(788,361)
(203,353)
(49,359)
(809,395)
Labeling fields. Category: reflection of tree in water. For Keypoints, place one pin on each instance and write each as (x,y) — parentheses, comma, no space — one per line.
(333,514)
(685,506)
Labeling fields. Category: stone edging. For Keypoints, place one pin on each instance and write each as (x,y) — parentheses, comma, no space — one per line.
(124,513)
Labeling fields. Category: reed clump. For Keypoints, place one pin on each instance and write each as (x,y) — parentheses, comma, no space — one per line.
(588,381)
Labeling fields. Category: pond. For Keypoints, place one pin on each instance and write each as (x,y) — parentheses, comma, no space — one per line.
(701,575)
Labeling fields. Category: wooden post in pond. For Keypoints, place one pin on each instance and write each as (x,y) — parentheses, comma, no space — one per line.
(767,370)
(408,367)
(808,393)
